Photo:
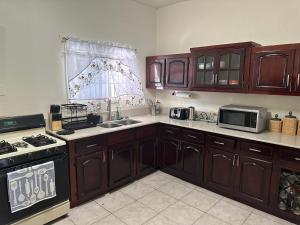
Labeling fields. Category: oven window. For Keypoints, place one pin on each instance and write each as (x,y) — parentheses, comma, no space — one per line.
(234,118)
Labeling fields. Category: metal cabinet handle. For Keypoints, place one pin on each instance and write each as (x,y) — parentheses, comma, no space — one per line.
(103,157)
(169,131)
(233,161)
(238,161)
(254,150)
(86,162)
(93,145)
(189,147)
(298,82)
(219,143)
(216,78)
(112,155)
(191,136)
(297,159)
(288,82)
(223,156)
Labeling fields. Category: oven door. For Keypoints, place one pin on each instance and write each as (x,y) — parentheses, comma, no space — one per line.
(241,120)
(62,190)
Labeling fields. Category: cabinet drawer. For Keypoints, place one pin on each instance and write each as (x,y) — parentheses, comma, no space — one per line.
(192,136)
(89,145)
(289,155)
(169,131)
(255,149)
(147,131)
(121,137)
(221,143)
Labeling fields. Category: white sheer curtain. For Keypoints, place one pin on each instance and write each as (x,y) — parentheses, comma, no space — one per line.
(97,71)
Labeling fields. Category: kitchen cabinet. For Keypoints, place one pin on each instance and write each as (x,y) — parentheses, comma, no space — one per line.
(272,69)
(155,72)
(221,67)
(121,164)
(170,155)
(220,170)
(91,174)
(192,162)
(177,71)
(297,73)
(254,176)
(168,71)
(146,156)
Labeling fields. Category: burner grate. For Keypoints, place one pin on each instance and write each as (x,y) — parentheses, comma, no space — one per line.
(39,140)
(5,147)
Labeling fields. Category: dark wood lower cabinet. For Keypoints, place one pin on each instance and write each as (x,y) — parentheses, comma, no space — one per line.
(220,170)
(146,156)
(254,177)
(170,155)
(91,174)
(192,162)
(121,164)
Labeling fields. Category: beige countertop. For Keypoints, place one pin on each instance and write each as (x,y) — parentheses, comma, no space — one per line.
(266,136)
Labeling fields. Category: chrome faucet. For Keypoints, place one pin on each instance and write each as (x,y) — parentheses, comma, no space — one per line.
(109,109)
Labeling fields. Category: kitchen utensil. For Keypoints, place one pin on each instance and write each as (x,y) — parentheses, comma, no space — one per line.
(289,124)
(46,177)
(33,196)
(27,188)
(52,187)
(36,189)
(21,197)
(13,186)
(275,124)
(41,193)
(191,112)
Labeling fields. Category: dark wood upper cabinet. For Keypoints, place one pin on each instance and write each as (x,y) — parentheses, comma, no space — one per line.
(297,73)
(192,162)
(146,156)
(272,69)
(168,71)
(222,67)
(177,72)
(121,164)
(254,176)
(155,72)
(91,174)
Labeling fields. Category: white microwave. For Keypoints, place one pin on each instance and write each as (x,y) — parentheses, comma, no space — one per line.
(245,118)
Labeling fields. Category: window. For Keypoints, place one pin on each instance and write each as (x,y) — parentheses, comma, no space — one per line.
(98,71)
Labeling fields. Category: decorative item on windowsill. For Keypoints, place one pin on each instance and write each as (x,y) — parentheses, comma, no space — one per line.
(289,124)
(182,94)
(275,124)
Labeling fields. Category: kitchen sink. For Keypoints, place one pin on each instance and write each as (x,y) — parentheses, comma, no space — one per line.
(127,122)
(109,125)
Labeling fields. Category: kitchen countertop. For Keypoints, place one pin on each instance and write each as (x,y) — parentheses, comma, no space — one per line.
(266,136)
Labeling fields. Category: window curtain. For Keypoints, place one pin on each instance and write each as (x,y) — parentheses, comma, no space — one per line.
(98,71)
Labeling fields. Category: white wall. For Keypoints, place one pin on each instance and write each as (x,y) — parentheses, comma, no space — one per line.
(31,59)
(199,23)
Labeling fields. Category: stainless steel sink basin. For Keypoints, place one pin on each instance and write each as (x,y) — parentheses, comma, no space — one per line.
(127,122)
(109,125)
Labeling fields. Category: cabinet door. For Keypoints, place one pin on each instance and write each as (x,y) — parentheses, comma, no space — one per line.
(177,70)
(205,70)
(147,156)
(91,174)
(169,150)
(220,170)
(272,69)
(230,69)
(155,71)
(121,164)
(192,162)
(254,179)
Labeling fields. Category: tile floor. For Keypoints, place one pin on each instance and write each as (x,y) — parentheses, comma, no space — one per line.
(161,199)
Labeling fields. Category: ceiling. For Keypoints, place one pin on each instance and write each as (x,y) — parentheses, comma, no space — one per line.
(159,3)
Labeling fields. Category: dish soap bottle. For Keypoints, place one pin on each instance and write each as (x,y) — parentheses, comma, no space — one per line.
(118,115)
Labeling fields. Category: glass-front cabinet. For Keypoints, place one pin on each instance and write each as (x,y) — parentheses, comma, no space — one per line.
(219,69)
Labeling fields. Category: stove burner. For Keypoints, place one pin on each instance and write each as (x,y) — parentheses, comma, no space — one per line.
(5,147)
(20,144)
(39,140)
